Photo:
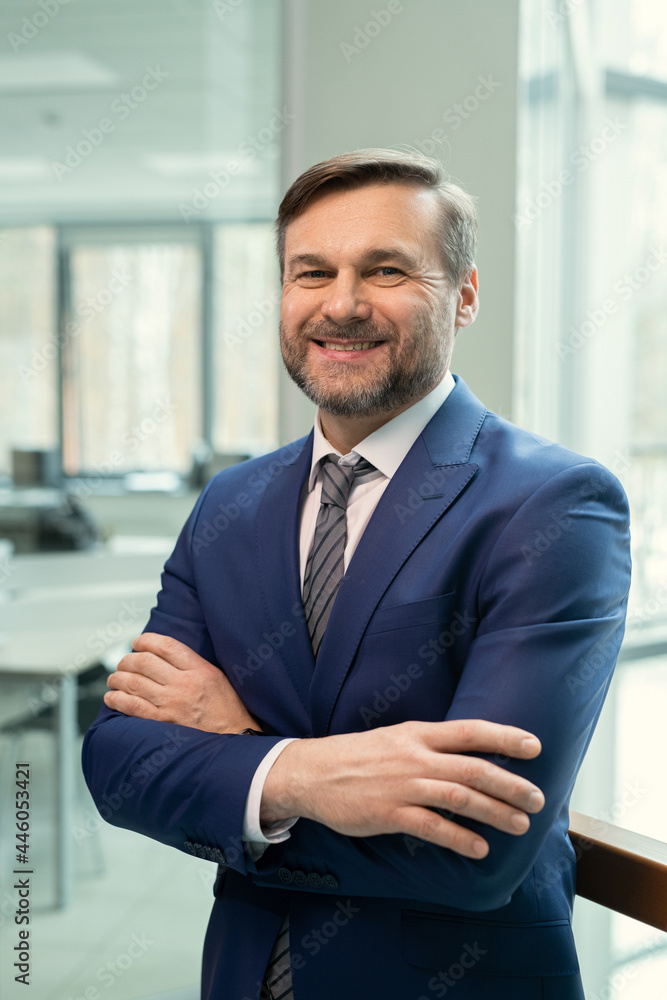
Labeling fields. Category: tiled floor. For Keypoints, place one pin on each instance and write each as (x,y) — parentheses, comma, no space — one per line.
(113,941)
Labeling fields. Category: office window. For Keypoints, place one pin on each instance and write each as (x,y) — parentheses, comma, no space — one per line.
(28,344)
(164,340)
(131,358)
(246,341)
(591,372)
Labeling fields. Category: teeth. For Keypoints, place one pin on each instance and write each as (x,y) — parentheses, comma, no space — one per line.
(350,347)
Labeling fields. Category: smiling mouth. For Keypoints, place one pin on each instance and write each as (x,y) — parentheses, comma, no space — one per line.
(329,345)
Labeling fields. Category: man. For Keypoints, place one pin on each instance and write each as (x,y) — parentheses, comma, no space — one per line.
(433,594)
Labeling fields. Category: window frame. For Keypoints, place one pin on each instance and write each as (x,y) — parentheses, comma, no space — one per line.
(199,234)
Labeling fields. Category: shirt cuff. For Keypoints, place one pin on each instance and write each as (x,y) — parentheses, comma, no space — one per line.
(256,837)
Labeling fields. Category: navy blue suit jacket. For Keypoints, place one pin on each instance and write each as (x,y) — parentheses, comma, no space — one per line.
(490,583)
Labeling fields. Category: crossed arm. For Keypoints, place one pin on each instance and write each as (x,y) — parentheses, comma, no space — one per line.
(541,660)
(387,780)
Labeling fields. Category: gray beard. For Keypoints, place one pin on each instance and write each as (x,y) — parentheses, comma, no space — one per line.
(393,389)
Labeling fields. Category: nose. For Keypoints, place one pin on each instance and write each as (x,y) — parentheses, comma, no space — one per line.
(345,300)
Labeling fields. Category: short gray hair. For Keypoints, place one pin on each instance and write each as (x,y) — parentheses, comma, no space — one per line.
(458,228)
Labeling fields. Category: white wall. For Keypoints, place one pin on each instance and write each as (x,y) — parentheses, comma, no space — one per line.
(398,89)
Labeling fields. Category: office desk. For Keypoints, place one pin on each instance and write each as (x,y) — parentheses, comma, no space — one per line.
(45,667)
(59,615)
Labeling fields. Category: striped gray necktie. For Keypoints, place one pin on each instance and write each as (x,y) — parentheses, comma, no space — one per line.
(324,569)
(322,577)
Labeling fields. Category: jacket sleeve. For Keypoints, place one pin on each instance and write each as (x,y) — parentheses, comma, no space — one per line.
(177,785)
(552,603)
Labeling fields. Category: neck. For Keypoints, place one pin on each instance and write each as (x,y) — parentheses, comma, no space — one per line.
(344,433)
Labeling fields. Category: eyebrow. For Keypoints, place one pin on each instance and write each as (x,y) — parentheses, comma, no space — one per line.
(372,257)
(309,259)
(393,254)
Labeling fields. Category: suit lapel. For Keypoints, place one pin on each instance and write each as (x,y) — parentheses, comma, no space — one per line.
(433,474)
(278,568)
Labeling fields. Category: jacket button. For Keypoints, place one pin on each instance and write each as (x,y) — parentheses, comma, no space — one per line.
(200,851)
(285,875)
(189,846)
(218,856)
(330,882)
(314,879)
(299,878)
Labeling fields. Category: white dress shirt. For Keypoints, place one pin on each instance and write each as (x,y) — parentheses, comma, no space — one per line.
(385,449)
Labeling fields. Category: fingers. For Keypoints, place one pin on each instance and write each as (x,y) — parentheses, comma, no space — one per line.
(121,701)
(135,685)
(174,652)
(478,735)
(148,665)
(463,801)
(430,826)
(485,777)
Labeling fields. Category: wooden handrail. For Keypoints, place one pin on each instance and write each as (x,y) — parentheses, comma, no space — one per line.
(621,870)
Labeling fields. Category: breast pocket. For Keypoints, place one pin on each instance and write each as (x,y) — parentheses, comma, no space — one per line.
(430,611)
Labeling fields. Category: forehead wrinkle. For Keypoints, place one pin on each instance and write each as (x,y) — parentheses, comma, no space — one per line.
(348,226)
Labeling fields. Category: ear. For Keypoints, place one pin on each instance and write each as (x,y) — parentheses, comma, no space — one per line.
(468,300)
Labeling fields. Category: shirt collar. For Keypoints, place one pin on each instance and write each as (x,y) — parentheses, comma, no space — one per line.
(386,447)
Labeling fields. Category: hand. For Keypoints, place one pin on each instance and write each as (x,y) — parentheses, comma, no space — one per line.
(165,680)
(391,779)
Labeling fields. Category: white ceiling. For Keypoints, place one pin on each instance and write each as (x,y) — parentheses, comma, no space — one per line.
(215,83)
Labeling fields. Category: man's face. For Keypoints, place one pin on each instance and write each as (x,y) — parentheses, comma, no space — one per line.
(363,270)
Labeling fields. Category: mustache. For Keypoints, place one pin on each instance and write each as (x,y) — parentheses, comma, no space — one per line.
(363,330)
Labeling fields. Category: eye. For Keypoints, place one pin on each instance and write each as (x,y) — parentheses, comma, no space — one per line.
(313,274)
(388,272)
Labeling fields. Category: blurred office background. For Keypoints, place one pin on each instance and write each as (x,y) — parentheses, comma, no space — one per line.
(145,146)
